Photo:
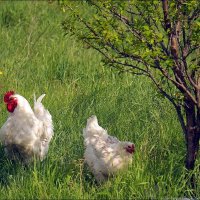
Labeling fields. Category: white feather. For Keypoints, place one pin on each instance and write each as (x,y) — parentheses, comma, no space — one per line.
(26,133)
(104,154)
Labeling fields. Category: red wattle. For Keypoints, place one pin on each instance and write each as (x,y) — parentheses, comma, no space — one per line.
(11,106)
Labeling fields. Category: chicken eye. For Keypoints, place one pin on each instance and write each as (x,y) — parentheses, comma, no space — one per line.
(12,98)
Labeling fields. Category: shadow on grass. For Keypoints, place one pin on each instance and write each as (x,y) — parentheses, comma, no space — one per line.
(8,168)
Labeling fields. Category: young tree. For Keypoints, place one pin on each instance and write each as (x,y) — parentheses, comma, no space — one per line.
(159,39)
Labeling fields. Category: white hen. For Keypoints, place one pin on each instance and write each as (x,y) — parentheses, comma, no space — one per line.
(26,133)
(104,154)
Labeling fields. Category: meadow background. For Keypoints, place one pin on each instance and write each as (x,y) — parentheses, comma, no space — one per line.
(37,57)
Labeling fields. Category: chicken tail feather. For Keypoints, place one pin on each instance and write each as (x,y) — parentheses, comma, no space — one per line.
(39,100)
(93,128)
(92,121)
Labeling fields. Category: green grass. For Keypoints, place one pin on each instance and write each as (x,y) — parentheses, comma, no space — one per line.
(36,57)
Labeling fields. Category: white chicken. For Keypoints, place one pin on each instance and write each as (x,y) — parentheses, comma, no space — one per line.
(104,154)
(26,133)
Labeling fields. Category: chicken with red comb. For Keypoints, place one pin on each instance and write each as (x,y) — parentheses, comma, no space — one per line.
(27,132)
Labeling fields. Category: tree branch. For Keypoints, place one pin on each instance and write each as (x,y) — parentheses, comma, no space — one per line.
(176,106)
(136,33)
(178,83)
(165,12)
(195,15)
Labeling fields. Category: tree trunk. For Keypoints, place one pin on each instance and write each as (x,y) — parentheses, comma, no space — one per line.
(192,136)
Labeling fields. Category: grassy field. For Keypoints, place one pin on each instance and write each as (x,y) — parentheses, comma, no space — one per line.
(36,57)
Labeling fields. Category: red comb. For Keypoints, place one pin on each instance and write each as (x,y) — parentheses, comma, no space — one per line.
(7,96)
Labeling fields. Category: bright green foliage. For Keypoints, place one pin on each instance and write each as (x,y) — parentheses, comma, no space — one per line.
(37,57)
(132,36)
